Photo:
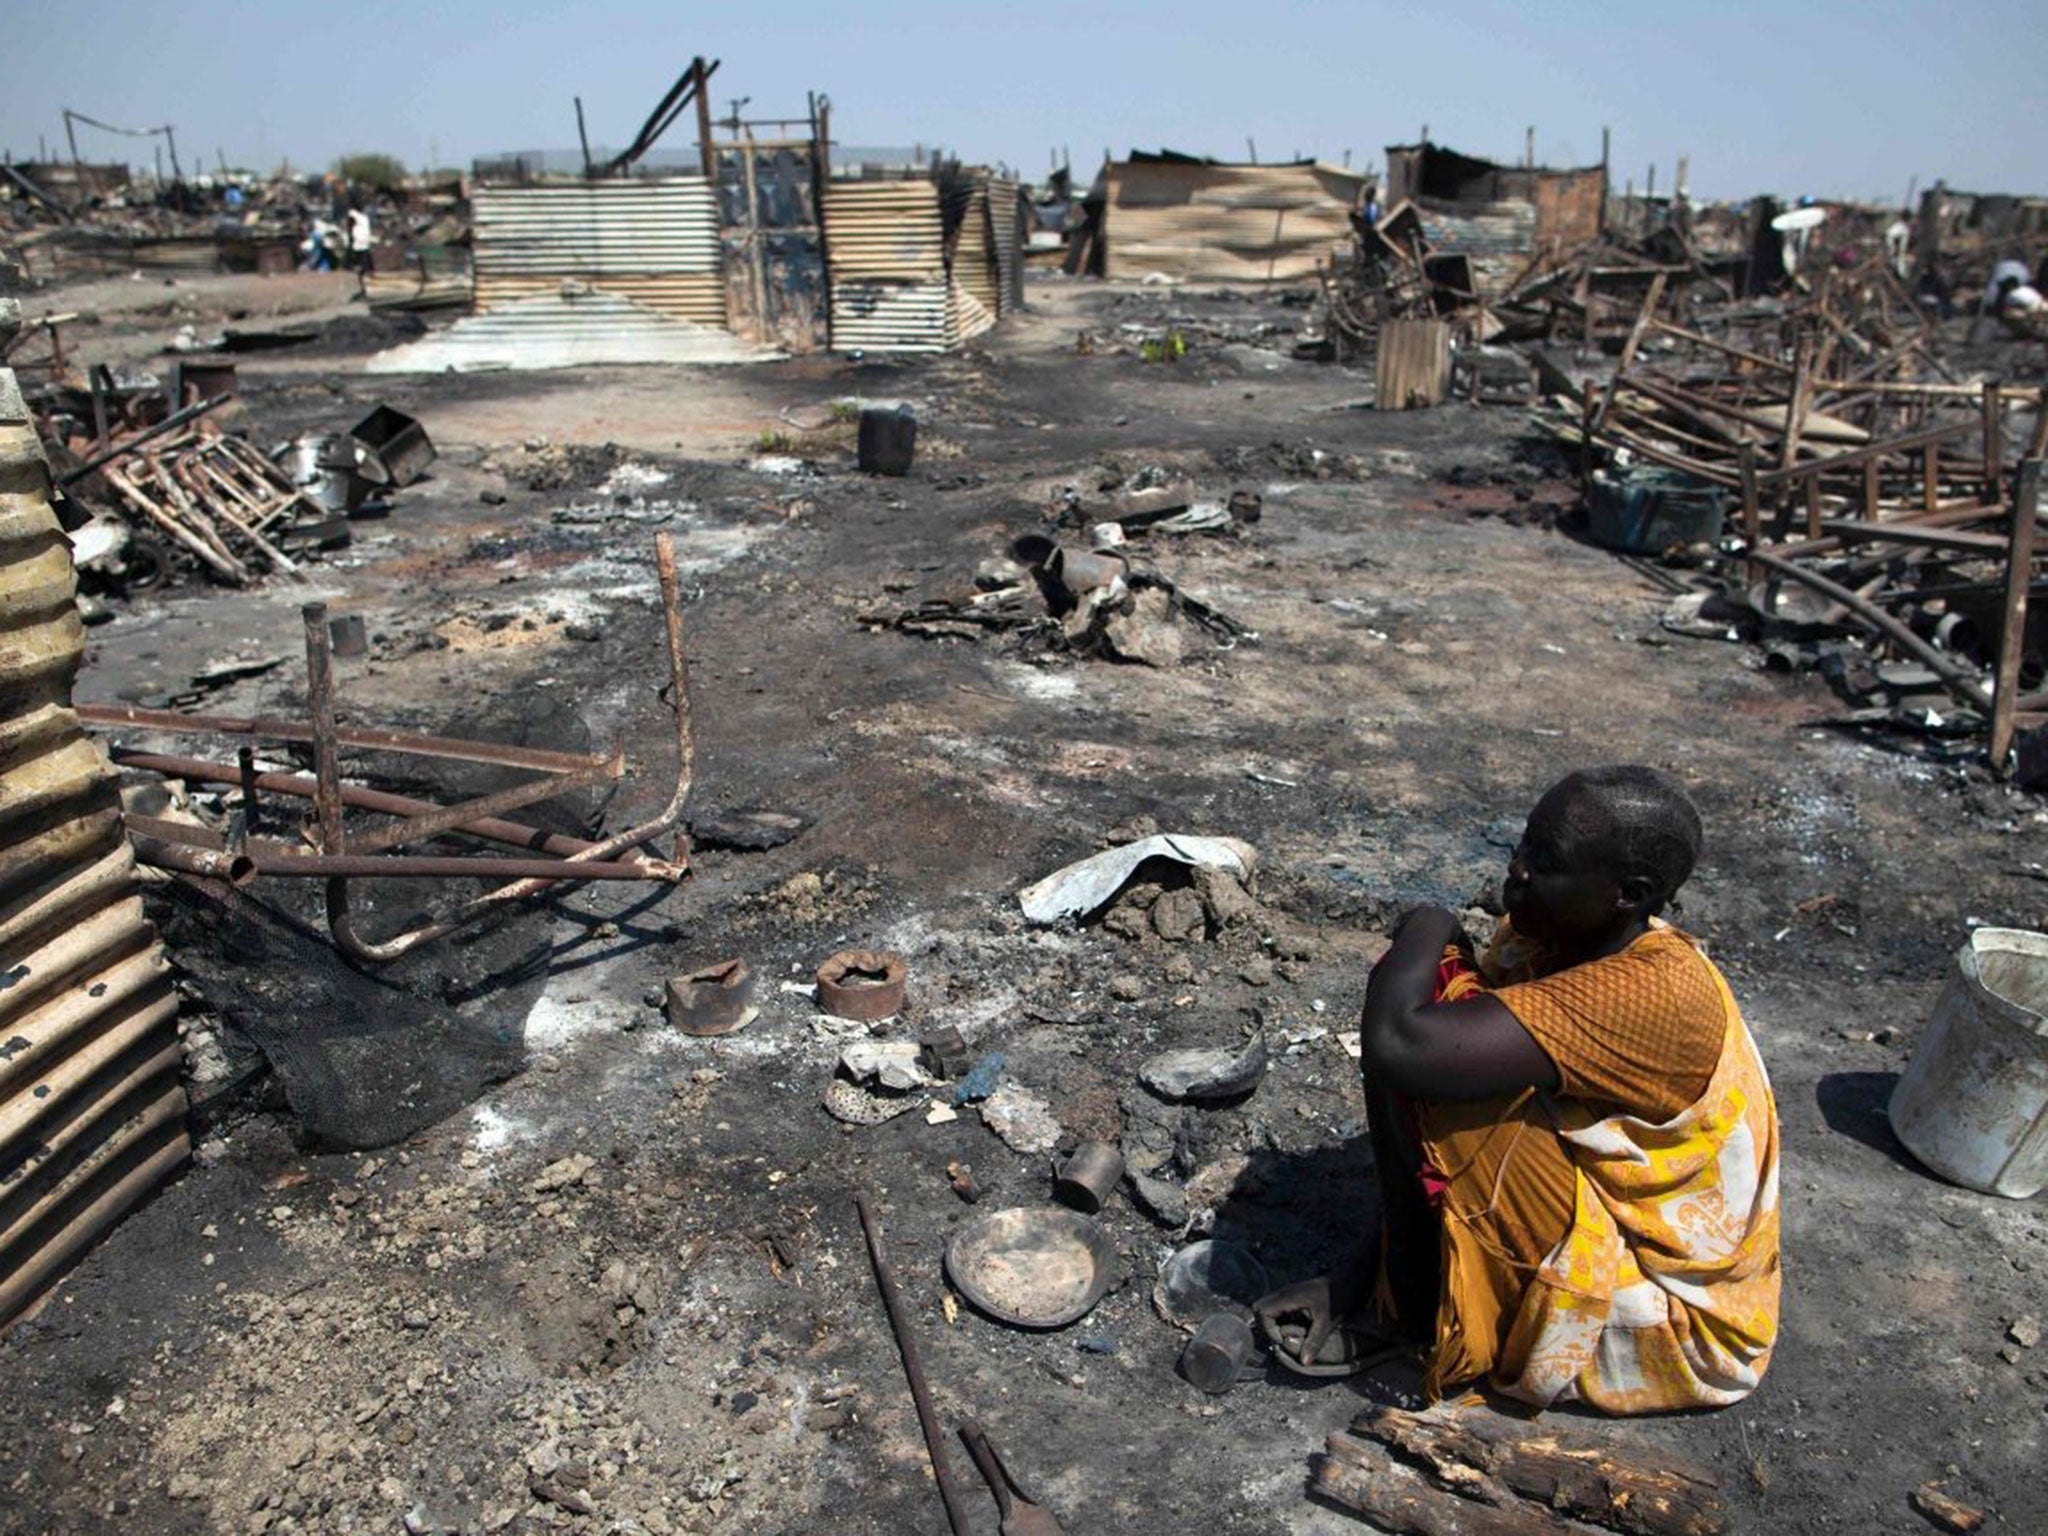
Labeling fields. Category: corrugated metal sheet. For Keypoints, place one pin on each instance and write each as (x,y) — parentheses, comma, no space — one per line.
(585,327)
(973,255)
(885,246)
(1497,237)
(698,298)
(890,317)
(885,230)
(92,1103)
(1007,229)
(1225,223)
(966,316)
(654,242)
(1413,366)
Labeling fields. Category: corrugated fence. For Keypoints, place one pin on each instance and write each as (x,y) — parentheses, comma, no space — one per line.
(1225,223)
(653,242)
(92,1100)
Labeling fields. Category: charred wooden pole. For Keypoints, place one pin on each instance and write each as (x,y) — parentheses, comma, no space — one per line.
(2012,635)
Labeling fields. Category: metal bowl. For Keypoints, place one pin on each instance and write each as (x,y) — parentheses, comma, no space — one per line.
(1032,1266)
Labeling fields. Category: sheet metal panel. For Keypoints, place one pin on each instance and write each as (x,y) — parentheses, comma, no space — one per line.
(1497,237)
(890,317)
(698,298)
(1413,366)
(597,229)
(1226,223)
(884,230)
(1006,227)
(973,255)
(92,1101)
(885,247)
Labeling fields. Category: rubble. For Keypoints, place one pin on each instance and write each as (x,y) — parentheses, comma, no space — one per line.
(1143,472)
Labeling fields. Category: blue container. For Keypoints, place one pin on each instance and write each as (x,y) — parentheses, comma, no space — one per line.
(1648,511)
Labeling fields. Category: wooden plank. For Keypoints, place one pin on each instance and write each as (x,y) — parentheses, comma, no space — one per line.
(1629,348)
(1994,444)
(1356,1474)
(1752,508)
(1481,1455)
(1855,532)
(2012,634)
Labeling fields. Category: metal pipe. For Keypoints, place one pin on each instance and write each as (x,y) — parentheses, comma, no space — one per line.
(402,866)
(362,738)
(1960,680)
(236,869)
(515,834)
(170,423)
(913,1371)
(441,818)
(340,921)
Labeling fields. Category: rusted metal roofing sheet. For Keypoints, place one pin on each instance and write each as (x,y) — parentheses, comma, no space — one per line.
(653,242)
(92,1101)
(1225,223)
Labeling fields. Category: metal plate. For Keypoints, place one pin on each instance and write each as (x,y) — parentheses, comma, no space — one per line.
(1032,1266)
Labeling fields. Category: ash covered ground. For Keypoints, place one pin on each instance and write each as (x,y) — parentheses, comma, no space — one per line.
(618,1286)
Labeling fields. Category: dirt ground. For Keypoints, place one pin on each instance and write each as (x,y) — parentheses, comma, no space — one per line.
(615,1283)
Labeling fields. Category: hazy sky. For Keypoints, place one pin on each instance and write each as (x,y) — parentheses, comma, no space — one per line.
(1792,96)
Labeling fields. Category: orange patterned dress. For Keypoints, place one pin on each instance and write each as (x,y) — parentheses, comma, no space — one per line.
(1612,1243)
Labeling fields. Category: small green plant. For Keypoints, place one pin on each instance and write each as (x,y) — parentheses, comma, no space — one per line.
(386,173)
(1170,348)
(771,441)
(844,411)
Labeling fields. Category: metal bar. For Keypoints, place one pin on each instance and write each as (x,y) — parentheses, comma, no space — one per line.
(443,818)
(913,1371)
(121,450)
(341,922)
(1853,532)
(213,863)
(245,761)
(1960,681)
(373,866)
(363,738)
(515,834)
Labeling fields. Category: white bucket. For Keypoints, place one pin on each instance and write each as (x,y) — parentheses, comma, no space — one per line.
(1973,1104)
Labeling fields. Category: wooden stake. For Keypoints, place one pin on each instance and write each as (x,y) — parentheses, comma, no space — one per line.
(2012,634)
(1752,509)
(1994,445)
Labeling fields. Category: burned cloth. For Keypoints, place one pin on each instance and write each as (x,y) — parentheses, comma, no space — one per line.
(1626,1261)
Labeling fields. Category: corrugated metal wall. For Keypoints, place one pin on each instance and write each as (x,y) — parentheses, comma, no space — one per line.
(1497,237)
(654,242)
(1006,216)
(92,1101)
(885,245)
(1225,223)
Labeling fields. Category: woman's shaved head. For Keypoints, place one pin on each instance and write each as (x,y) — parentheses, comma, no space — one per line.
(1626,821)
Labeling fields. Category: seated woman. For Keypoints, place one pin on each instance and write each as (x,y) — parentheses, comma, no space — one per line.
(1576,1143)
